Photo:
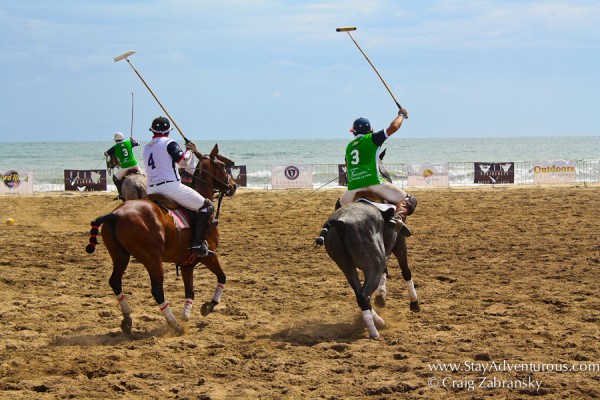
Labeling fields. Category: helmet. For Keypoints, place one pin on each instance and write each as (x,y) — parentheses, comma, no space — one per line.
(119,137)
(361,125)
(161,125)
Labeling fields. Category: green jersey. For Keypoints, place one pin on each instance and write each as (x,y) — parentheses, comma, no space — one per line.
(362,164)
(123,151)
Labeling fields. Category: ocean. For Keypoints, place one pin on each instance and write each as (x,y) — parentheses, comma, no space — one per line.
(47,160)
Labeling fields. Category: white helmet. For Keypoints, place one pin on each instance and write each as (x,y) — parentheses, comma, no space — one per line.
(119,137)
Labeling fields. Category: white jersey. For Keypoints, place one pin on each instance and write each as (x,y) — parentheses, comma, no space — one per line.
(160,165)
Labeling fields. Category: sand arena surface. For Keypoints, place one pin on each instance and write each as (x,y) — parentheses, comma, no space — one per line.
(508,278)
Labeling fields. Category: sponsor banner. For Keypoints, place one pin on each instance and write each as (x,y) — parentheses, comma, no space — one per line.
(85,180)
(238,172)
(16,182)
(554,171)
(342,177)
(291,176)
(494,173)
(429,174)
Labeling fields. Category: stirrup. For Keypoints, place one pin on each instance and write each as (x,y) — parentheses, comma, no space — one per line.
(202,249)
(400,227)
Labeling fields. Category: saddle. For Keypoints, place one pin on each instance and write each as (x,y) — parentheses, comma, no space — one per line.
(387,210)
(181,215)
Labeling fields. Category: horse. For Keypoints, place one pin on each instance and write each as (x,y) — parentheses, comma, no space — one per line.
(359,236)
(146,231)
(134,187)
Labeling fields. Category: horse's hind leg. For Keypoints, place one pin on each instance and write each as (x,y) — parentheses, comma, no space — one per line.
(402,255)
(120,259)
(363,296)
(154,267)
(212,263)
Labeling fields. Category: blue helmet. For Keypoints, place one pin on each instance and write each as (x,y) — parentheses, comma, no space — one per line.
(361,125)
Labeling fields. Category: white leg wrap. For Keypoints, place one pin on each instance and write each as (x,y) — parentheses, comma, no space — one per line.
(187,309)
(368,318)
(382,289)
(412,293)
(166,310)
(379,322)
(218,293)
(125,309)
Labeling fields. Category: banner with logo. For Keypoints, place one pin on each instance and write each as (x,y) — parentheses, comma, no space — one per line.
(238,173)
(554,171)
(17,182)
(342,177)
(85,180)
(291,176)
(429,174)
(494,173)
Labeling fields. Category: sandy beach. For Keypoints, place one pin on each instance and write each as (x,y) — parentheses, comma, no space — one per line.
(507,277)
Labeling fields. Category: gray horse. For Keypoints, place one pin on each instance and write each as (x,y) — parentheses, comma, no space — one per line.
(359,236)
(134,187)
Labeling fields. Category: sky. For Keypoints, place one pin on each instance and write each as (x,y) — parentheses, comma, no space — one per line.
(277,69)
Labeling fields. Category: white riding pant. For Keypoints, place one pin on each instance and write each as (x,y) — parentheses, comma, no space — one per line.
(183,195)
(120,172)
(393,194)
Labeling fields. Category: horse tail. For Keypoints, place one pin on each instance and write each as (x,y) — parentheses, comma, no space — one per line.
(91,247)
(321,239)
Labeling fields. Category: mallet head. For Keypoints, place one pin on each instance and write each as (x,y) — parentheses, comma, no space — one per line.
(124,55)
(345,29)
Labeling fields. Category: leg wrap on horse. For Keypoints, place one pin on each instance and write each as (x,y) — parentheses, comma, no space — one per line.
(199,245)
(187,309)
(166,310)
(370,324)
(125,309)
(412,293)
(218,292)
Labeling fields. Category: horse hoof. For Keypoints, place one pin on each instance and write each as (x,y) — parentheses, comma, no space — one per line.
(207,308)
(179,330)
(380,301)
(126,324)
(414,306)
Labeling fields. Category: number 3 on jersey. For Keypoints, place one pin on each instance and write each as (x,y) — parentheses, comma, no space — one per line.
(355,159)
(151,163)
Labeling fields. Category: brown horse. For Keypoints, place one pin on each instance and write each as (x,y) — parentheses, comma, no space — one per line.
(144,230)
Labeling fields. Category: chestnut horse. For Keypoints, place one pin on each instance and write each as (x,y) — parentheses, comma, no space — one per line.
(144,230)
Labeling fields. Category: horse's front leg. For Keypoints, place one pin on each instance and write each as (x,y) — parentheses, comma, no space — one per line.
(187,274)
(402,255)
(381,292)
(212,263)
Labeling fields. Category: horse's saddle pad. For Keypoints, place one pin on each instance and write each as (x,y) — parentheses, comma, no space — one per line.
(383,207)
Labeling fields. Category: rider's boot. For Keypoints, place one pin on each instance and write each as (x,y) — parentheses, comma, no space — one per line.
(118,183)
(200,227)
(403,209)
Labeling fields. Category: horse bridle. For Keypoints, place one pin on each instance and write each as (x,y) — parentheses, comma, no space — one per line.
(215,178)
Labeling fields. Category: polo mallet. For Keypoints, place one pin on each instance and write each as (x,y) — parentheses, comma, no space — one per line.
(125,57)
(348,29)
(131,131)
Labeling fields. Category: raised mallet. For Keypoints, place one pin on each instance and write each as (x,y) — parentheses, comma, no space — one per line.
(348,29)
(125,56)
